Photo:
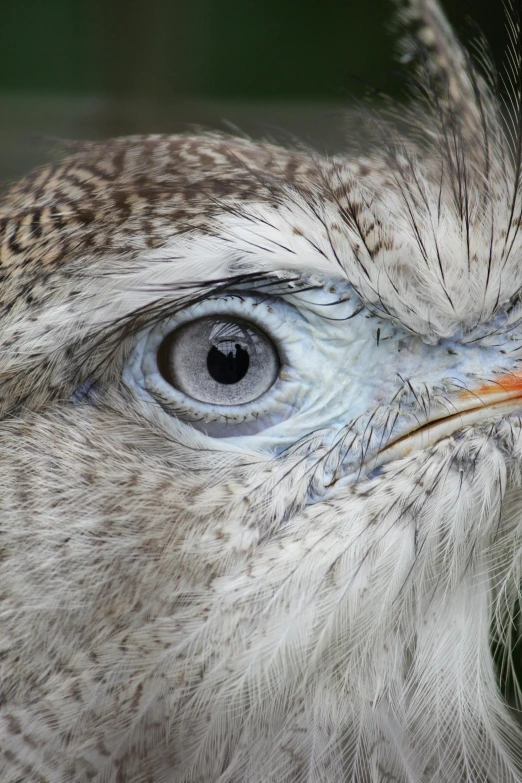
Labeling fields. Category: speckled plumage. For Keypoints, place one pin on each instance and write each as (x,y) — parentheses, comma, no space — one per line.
(316,596)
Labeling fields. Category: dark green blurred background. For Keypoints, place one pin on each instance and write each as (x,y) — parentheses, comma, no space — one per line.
(80,69)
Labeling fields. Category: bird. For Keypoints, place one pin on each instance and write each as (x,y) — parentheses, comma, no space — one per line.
(261,448)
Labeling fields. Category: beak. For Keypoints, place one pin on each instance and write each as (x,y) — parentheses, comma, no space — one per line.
(495,398)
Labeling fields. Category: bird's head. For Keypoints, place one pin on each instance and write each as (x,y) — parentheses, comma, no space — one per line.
(261,488)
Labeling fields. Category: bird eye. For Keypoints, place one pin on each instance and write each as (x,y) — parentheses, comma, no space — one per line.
(219,360)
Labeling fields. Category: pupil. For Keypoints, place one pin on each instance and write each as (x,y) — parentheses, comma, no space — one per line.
(228,367)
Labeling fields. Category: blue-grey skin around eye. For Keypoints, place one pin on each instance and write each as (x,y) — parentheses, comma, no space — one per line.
(335,377)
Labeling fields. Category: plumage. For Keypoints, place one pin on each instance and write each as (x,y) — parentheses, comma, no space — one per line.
(313,578)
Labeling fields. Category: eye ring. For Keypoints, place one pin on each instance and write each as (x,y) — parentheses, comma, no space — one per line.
(274,318)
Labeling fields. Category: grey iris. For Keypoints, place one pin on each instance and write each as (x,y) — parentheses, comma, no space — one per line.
(219,360)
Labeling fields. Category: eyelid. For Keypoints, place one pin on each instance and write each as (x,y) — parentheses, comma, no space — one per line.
(263,312)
